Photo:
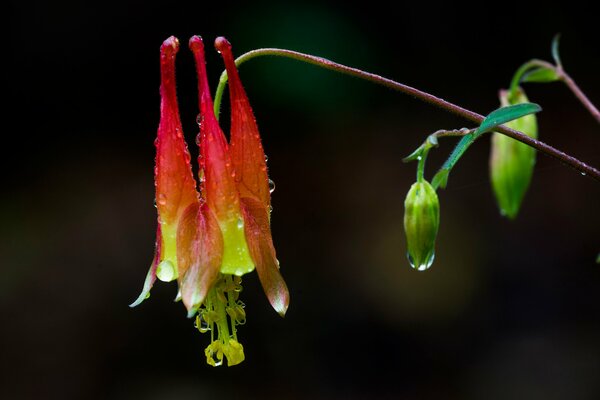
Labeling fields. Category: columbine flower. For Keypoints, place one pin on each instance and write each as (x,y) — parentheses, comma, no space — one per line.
(208,241)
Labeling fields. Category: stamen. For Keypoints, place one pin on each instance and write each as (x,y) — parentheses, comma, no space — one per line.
(220,313)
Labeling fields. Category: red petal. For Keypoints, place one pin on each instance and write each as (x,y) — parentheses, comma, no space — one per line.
(175,184)
(219,185)
(246,150)
(151,276)
(260,243)
(199,252)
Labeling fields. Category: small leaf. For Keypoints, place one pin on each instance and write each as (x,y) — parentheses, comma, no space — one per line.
(440,179)
(506,114)
(541,75)
(414,155)
(555,54)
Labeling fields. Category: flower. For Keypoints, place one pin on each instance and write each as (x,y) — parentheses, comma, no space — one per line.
(208,240)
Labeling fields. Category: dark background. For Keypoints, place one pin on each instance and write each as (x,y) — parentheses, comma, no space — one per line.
(509,310)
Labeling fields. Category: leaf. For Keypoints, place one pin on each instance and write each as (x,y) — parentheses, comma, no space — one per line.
(506,114)
(440,179)
(541,75)
(555,54)
(415,155)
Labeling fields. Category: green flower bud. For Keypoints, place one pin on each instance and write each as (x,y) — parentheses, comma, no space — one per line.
(421,222)
(511,162)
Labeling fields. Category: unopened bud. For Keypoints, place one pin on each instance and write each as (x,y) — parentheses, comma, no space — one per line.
(511,162)
(421,222)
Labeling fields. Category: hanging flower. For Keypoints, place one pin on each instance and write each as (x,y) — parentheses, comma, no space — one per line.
(211,239)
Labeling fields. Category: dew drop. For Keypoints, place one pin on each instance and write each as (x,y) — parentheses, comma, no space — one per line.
(271,186)
(165,271)
(240,223)
(218,362)
(583,173)
(201,324)
(199,120)
(162,199)
(425,265)
(419,158)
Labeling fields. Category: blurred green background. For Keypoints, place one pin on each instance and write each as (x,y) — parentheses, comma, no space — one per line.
(509,310)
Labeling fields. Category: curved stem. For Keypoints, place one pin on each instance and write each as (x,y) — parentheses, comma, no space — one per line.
(580,95)
(578,165)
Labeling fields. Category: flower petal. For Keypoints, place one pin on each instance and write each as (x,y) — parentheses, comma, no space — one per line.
(247,153)
(151,276)
(219,188)
(174,180)
(199,254)
(258,236)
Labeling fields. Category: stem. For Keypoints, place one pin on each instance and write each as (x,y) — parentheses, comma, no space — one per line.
(580,95)
(421,166)
(576,164)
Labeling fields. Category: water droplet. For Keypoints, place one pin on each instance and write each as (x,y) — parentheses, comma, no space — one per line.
(201,324)
(216,360)
(154,202)
(240,223)
(425,265)
(162,199)
(165,271)
(583,173)
(266,158)
(271,186)
(419,158)
(199,120)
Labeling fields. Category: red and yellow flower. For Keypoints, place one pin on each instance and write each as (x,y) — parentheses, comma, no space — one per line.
(210,235)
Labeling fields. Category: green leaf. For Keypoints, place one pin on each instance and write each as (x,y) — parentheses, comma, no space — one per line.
(440,179)
(555,54)
(541,75)
(414,155)
(506,114)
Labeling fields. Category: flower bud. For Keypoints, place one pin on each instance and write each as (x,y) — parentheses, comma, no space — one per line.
(511,162)
(421,222)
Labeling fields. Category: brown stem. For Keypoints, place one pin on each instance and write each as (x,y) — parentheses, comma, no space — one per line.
(580,95)
(573,162)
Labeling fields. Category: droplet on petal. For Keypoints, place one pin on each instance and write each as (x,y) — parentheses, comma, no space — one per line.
(166,271)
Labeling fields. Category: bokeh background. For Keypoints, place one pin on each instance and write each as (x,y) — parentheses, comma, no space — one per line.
(509,310)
